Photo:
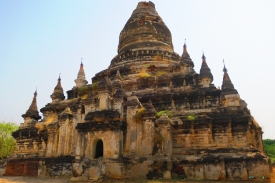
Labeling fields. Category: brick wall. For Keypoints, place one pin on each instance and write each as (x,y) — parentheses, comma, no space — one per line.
(22,168)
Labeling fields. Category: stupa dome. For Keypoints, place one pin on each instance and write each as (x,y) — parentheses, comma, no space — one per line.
(145,30)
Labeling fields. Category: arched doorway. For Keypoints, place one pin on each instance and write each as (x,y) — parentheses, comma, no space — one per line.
(99,149)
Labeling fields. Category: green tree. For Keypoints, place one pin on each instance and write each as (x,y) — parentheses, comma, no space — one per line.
(7,142)
(269,146)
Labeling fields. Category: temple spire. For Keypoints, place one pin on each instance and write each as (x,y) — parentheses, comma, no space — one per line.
(81,79)
(81,73)
(117,80)
(150,111)
(58,88)
(206,76)
(32,112)
(33,105)
(58,91)
(185,58)
(227,86)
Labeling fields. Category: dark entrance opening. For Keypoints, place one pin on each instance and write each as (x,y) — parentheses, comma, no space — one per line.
(99,149)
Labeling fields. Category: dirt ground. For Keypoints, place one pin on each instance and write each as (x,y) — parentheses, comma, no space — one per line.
(19,179)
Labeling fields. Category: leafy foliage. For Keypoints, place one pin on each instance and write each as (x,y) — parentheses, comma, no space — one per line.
(144,75)
(191,117)
(139,113)
(168,113)
(269,146)
(94,85)
(82,90)
(158,138)
(7,142)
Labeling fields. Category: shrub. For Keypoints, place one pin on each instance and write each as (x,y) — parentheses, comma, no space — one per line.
(139,113)
(144,75)
(158,138)
(94,85)
(191,117)
(82,90)
(269,146)
(7,142)
(168,113)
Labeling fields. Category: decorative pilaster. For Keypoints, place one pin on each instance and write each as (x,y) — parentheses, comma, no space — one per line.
(65,137)
(133,113)
(52,130)
(104,89)
(163,135)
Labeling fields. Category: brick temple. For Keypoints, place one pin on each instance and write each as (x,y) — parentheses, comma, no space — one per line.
(149,115)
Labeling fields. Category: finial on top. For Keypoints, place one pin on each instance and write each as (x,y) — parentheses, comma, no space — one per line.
(81,62)
(224,68)
(184,46)
(59,79)
(35,93)
(203,57)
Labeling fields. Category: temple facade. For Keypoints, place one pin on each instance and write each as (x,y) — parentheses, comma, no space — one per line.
(149,115)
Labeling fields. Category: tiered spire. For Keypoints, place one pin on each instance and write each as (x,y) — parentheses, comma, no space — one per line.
(58,91)
(104,85)
(58,88)
(117,84)
(205,71)
(81,73)
(227,86)
(32,112)
(81,79)
(150,111)
(33,105)
(117,76)
(185,58)
(117,80)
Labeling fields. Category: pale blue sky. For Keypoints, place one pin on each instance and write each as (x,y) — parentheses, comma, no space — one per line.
(40,39)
